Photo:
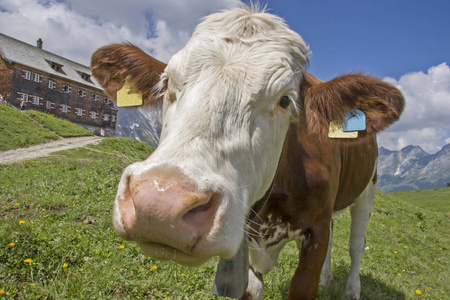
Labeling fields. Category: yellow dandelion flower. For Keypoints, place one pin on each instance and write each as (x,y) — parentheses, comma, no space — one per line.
(154,267)
(43,209)
(395,252)
(399,274)
(121,246)
(21,222)
(11,244)
(65,265)
(406,246)
(45,216)
(418,292)
(2,292)
(28,260)
(74,205)
(33,284)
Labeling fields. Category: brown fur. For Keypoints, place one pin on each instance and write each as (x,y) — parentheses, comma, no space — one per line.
(111,64)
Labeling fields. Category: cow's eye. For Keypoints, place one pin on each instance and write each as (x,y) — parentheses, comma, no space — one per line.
(284,102)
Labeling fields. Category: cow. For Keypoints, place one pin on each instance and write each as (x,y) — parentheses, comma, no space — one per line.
(242,120)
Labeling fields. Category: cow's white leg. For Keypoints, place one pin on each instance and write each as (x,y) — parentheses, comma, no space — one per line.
(255,287)
(262,260)
(360,213)
(326,275)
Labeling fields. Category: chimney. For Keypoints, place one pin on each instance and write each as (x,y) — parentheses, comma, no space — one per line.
(40,42)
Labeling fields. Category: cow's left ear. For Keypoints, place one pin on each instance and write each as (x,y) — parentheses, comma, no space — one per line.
(325,102)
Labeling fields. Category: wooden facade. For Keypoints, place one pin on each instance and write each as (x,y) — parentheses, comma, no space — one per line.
(56,85)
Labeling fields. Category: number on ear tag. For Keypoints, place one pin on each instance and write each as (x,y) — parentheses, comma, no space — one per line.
(354,120)
(336,131)
(128,95)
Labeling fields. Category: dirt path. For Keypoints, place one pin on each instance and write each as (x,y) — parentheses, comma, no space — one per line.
(21,154)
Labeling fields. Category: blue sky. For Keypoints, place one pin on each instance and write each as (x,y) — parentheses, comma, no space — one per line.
(382,37)
(404,42)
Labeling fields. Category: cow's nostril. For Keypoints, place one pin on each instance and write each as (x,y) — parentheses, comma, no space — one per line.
(202,213)
(201,208)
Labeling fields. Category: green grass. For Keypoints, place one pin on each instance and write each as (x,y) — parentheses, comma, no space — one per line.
(22,129)
(61,127)
(429,200)
(65,203)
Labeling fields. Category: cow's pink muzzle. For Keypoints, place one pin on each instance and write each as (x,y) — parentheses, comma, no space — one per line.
(165,213)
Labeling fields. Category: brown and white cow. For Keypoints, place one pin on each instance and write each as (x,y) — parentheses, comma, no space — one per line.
(240,116)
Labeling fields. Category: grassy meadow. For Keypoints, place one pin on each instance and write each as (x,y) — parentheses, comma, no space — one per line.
(57,240)
(20,129)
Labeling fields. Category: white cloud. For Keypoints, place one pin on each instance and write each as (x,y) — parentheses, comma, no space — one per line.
(75,28)
(426,119)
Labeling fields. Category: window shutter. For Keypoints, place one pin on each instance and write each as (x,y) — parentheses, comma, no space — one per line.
(84,112)
(68,108)
(41,78)
(18,96)
(41,101)
(52,105)
(60,107)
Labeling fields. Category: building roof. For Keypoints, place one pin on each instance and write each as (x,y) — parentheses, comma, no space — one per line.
(15,51)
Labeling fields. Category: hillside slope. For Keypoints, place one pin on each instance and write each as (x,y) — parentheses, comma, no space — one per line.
(20,129)
(57,240)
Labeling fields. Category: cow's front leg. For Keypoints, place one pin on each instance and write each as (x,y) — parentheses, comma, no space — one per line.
(305,283)
(326,275)
(255,287)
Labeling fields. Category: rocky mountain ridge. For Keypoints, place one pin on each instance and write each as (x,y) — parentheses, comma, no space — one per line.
(411,168)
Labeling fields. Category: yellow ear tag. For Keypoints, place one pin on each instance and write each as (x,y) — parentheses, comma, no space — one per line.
(128,95)
(336,131)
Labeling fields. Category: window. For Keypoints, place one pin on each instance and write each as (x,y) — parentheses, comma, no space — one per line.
(57,67)
(37,77)
(106,118)
(85,76)
(26,74)
(35,100)
(81,93)
(107,100)
(67,89)
(48,105)
(93,115)
(22,97)
(64,108)
(79,112)
(94,97)
(51,84)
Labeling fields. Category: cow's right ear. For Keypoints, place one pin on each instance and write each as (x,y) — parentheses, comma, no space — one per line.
(112,64)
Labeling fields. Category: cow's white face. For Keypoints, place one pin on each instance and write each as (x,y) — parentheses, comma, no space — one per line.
(229,98)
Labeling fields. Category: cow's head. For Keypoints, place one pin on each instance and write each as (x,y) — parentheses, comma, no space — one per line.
(228,99)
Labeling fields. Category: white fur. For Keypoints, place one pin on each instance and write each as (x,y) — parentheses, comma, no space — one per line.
(222,126)
(360,213)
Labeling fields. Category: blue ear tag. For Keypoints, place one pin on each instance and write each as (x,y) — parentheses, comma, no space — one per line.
(354,120)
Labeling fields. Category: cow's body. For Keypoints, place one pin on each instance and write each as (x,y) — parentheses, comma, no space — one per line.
(241,115)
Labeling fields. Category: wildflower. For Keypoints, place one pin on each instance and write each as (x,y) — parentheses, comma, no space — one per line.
(418,292)
(43,209)
(154,267)
(28,260)
(74,205)
(45,216)
(65,265)
(21,222)
(399,274)
(121,246)
(395,252)
(11,244)
(33,284)
(2,292)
